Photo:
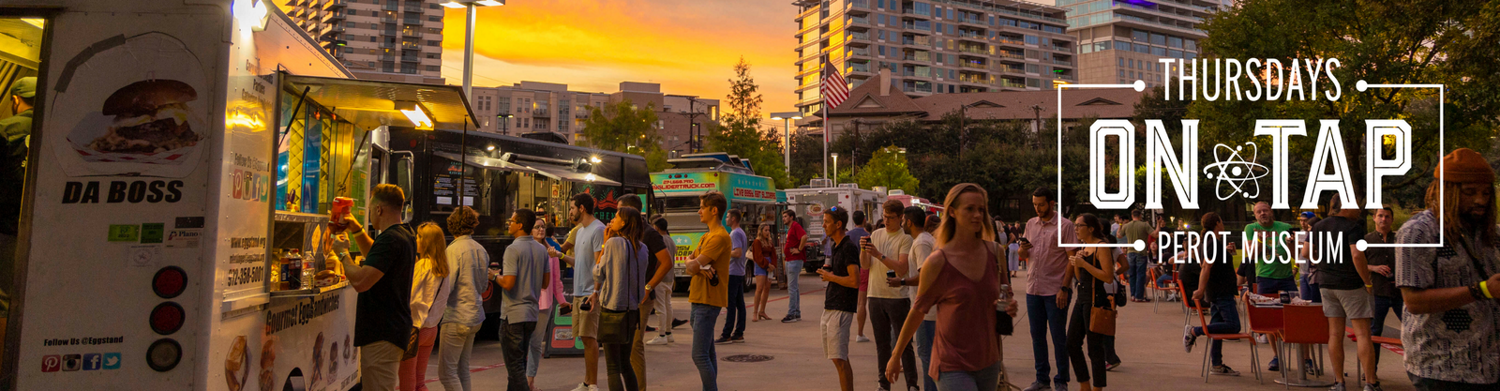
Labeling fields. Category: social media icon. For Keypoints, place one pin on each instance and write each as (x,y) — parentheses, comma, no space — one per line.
(111,361)
(92,361)
(72,362)
(51,363)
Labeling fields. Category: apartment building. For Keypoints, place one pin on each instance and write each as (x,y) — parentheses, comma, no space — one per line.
(530,106)
(1121,41)
(391,40)
(933,46)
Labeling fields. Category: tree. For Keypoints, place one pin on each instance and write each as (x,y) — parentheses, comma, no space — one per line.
(887,168)
(623,127)
(741,133)
(1448,42)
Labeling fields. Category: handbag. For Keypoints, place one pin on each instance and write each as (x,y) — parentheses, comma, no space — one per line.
(618,327)
(1102,318)
(1004,324)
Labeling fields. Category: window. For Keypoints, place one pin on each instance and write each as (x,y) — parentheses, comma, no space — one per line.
(1140,36)
(1121,60)
(1190,44)
(1174,53)
(1122,73)
(1174,42)
(434,68)
(923,9)
(880,3)
(939,28)
(1122,45)
(1033,68)
(950,29)
(1139,48)
(1156,51)
(1031,40)
(1158,39)
(950,13)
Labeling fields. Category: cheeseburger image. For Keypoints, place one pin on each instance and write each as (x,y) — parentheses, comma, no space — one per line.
(237,364)
(149,116)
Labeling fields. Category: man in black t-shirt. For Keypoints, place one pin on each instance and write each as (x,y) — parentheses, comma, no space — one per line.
(382,318)
(1344,283)
(841,300)
(659,264)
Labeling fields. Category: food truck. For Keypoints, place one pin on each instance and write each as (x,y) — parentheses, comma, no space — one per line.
(677,190)
(809,202)
(911,200)
(184,161)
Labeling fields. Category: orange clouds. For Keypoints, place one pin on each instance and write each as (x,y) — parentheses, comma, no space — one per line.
(690,47)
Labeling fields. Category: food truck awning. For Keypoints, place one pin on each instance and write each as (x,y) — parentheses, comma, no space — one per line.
(567,174)
(370,104)
(486,162)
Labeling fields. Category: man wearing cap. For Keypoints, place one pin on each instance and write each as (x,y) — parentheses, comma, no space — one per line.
(16,132)
(1452,331)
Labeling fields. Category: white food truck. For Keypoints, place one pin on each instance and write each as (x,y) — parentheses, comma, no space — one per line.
(810,201)
(185,154)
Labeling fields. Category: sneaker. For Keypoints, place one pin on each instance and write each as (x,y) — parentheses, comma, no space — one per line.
(1312,369)
(1261,339)
(678,322)
(722,340)
(791,319)
(1188,339)
(1060,386)
(1373,387)
(1337,387)
(650,329)
(586,387)
(1112,366)
(1223,370)
(737,340)
(861,338)
(660,340)
(1275,365)
(1038,386)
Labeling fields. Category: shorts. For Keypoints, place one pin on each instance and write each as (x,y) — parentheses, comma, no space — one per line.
(864,279)
(759,271)
(1347,303)
(585,323)
(835,326)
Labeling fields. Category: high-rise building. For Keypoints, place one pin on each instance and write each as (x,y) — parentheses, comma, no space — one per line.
(530,106)
(933,46)
(392,40)
(1121,41)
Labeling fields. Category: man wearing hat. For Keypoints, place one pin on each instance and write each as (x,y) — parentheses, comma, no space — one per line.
(16,132)
(1452,331)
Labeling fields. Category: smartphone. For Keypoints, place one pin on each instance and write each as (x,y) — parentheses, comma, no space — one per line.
(890,274)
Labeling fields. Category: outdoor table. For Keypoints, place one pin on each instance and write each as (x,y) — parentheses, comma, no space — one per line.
(1299,378)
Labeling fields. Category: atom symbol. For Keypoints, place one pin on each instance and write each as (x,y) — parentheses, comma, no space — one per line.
(1240,174)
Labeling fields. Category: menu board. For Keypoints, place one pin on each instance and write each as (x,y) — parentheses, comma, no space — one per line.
(446,178)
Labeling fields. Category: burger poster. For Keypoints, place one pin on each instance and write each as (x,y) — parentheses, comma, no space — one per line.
(132,107)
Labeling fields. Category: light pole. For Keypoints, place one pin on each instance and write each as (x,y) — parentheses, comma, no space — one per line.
(786,140)
(835,156)
(504,123)
(469,15)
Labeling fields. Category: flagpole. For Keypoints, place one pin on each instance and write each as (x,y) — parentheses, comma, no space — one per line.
(825,136)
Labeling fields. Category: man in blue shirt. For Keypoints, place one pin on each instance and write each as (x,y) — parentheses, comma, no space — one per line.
(734,321)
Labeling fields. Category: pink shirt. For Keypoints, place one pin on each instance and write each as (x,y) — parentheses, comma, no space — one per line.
(554,292)
(1048,262)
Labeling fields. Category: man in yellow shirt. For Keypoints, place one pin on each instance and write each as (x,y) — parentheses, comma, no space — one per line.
(709,291)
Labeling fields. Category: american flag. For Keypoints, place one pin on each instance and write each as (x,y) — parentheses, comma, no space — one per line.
(833,88)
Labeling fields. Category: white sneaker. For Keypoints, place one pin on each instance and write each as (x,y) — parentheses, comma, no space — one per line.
(861,338)
(1261,339)
(659,340)
(586,387)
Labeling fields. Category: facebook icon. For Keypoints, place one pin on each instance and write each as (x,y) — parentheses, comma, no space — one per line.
(92,361)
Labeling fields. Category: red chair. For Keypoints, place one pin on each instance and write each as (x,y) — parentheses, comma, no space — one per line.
(1266,321)
(1378,340)
(1158,293)
(1310,327)
(1254,350)
(1189,306)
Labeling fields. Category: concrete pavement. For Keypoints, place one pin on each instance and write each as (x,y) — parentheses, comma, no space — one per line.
(1150,345)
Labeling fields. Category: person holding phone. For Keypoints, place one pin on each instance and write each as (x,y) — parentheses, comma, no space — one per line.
(708,293)
(551,295)
(796,240)
(520,281)
(886,253)
(839,304)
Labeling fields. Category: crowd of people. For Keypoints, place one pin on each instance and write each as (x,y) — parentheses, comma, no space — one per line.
(941,282)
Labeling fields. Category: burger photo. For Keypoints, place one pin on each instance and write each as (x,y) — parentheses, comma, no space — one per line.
(150,116)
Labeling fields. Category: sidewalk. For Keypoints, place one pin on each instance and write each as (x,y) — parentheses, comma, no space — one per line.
(1150,345)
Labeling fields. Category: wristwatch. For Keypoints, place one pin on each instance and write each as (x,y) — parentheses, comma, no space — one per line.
(648,288)
(1066,290)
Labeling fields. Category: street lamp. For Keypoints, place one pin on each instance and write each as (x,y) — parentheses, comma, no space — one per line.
(786,140)
(835,156)
(504,123)
(469,15)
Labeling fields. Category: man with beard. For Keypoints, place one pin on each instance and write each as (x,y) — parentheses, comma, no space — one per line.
(1452,329)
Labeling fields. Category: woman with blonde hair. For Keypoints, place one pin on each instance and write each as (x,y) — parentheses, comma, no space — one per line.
(963,275)
(431,283)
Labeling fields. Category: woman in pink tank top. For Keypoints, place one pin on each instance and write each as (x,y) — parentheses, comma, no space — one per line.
(964,277)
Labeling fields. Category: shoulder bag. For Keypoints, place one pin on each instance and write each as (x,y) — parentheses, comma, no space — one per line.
(1004,324)
(1102,318)
(615,326)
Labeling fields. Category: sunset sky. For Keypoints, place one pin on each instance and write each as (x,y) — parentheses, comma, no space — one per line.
(688,46)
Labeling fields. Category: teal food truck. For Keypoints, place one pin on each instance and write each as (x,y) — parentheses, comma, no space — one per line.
(677,190)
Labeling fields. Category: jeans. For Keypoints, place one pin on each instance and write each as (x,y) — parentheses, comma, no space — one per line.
(794,298)
(515,341)
(378,364)
(987,379)
(1309,290)
(1078,335)
(638,345)
(617,357)
(886,318)
(1382,304)
(1163,280)
(1045,316)
(734,320)
(455,347)
(1269,286)
(414,370)
(1425,384)
(704,317)
(1225,320)
(925,334)
(1137,274)
(539,339)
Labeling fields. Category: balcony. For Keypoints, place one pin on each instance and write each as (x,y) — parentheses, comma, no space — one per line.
(410,45)
(390,6)
(1010,41)
(388,45)
(859,21)
(980,50)
(411,9)
(971,65)
(406,58)
(859,67)
(976,79)
(1011,55)
(1062,62)
(387,57)
(337,4)
(1012,69)
(411,33)
(1007,83)
(1061,48)
(542,113)
(581,114)
(859,36)
(386,18)
(859,52)
(970,35)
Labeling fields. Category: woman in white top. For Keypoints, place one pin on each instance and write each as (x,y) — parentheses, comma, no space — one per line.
(431,283)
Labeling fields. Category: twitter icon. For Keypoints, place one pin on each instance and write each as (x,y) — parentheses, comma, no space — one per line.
(111,361)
